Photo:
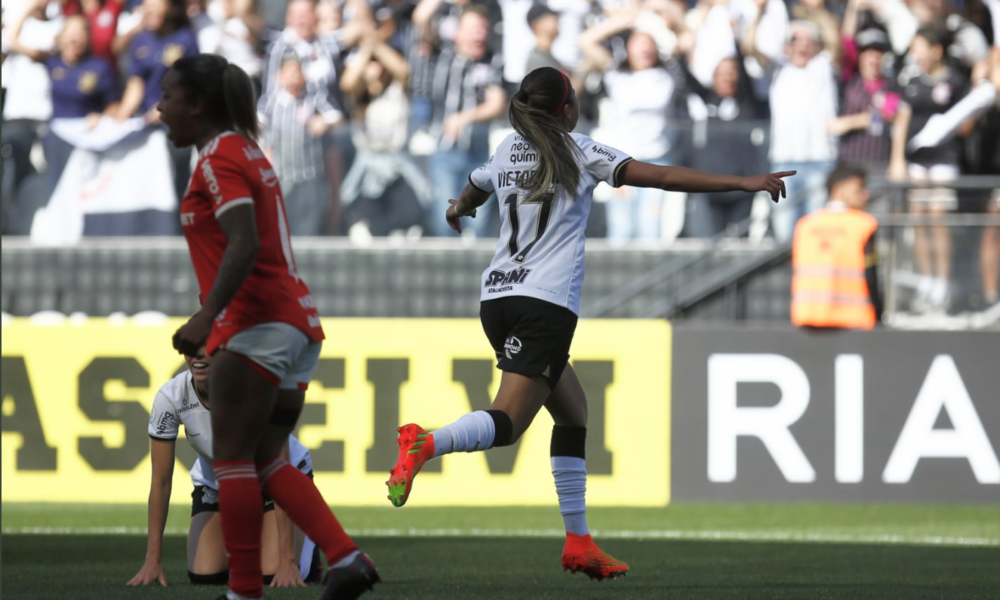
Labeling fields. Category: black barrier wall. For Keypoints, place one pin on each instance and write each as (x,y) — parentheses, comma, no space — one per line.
(835,416)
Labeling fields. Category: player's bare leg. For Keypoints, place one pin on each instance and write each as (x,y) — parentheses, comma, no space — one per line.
(568,406)
(989,255)
(206,555)
(942,249)
(922,251)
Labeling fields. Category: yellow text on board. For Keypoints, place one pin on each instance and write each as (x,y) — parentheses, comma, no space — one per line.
(76,403)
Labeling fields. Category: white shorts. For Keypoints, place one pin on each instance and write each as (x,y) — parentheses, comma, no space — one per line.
(279,352)
(946,197)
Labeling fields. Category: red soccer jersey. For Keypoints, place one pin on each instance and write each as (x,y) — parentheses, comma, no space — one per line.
(232,171)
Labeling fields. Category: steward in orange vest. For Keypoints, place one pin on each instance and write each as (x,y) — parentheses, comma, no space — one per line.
(835,280)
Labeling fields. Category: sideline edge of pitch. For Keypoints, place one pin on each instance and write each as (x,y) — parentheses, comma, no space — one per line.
(748,536)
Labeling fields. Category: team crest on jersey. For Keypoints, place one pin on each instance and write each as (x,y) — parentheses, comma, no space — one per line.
(268,177)
(941,93)
(511,347)
(172,53)
(87,83)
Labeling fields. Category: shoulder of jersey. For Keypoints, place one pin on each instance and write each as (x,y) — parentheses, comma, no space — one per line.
(233,146)
(175,389)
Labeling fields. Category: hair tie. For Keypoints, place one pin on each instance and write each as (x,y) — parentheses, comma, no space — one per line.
(565,94)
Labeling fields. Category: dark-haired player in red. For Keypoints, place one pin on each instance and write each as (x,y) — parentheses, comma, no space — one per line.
(258,321)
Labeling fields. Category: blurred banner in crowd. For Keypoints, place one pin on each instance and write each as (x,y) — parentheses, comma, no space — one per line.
(117,181)
(77,399)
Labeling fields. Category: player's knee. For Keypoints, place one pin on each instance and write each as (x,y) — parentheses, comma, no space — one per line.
(503,427)
(220,578)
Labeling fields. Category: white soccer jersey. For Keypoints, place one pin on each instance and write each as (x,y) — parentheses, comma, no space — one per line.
(178,404)
(540,251)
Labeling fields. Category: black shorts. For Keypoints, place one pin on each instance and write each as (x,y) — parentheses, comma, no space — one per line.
(205,499)
(531,337)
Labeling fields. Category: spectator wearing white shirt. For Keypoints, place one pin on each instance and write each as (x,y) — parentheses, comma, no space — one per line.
(294,122)
(518,40)
(803,99)
(231,29)
(641,91)
(467,96)
(28,104)
(321,56)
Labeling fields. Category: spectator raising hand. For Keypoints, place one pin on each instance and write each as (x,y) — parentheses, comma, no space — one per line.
(467,96)
(803,99)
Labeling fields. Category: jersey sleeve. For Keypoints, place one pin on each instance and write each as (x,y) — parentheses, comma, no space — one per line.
(164,424)
(225,182)
(604,163)
(482,178)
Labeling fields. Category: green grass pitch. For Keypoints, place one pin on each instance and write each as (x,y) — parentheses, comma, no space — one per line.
(685,551)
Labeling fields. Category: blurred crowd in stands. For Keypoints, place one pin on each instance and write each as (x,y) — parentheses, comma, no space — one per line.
(375,111)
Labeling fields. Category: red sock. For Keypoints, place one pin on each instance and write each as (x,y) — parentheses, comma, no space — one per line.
(302,502)
(241,510)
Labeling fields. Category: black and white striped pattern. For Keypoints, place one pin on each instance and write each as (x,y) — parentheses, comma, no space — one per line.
(459,85)
(321,64)
(297,155)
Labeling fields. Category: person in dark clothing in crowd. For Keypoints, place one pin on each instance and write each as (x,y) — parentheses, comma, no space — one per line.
(294,124)
(83,86)
(931,86)
(544,23)
(727,129)
(869,104)
(164,36)
(467,96)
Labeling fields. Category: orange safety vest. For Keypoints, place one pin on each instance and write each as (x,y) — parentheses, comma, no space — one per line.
(829,288)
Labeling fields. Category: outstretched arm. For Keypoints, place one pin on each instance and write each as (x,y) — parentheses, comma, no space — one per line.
(466,205)
(162,455)
(681,179)
(15,34)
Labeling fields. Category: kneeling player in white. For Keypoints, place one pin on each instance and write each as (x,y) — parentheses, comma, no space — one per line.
(287,557)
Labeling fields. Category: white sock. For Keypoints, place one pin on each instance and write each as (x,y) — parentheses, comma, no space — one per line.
(570,474)
(474,431)
(939,291)
(231,595)
(925,286)
(346,560)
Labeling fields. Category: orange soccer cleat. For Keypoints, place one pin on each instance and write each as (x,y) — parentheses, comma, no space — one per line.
(416,447)
(581,555)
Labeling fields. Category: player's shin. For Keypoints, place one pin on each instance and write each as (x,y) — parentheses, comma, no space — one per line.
(474,431)
(298,497)
(241,510)
(569,469)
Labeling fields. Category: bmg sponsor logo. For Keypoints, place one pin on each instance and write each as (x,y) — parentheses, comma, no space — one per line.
(602,151)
